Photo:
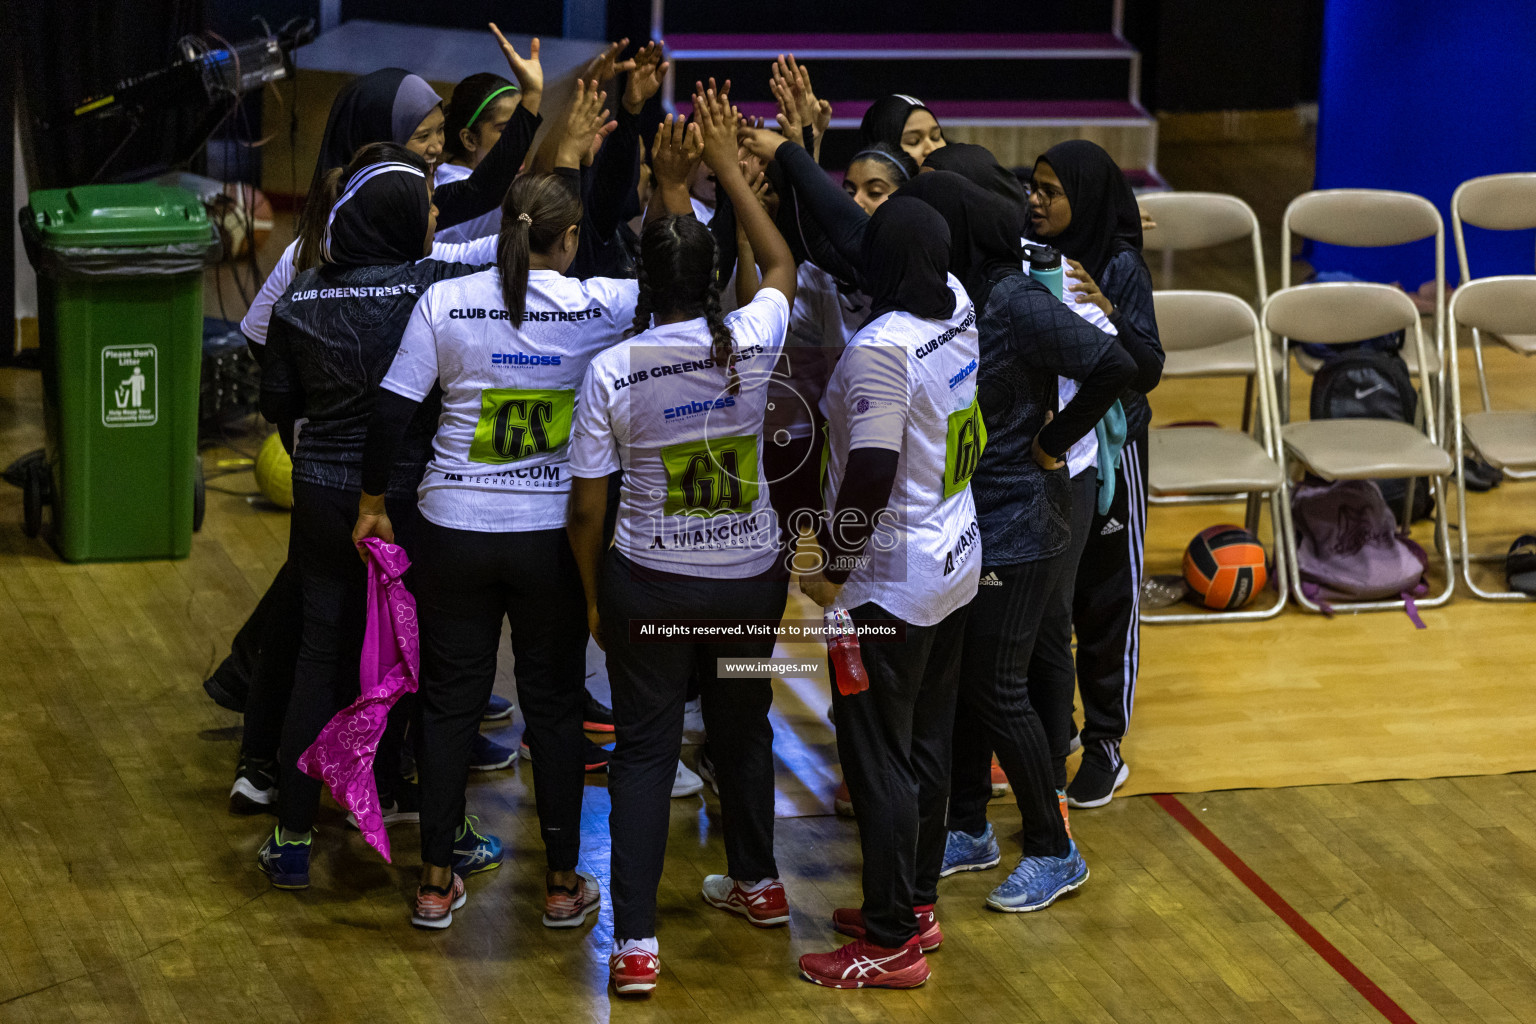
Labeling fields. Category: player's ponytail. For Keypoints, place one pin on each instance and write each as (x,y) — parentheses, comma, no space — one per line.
(539,210)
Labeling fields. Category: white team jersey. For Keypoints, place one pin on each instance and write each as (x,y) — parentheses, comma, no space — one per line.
(501,458)
(488,223)
(908,385)
(254,325)
(1085,450)
(694,499)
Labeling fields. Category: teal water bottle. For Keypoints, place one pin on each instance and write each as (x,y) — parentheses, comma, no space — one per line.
(1045,267)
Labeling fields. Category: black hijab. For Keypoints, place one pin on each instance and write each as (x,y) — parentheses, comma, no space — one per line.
(380,218)
(1105,218)
(983,229)
(906,260)
(384,106)
(886,119)
(976,164)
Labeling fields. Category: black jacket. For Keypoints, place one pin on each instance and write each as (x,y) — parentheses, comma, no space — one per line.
(332,340)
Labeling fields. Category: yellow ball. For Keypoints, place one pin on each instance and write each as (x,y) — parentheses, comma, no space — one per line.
(274,472)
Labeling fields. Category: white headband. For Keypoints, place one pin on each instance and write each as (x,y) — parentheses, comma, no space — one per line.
(360,179)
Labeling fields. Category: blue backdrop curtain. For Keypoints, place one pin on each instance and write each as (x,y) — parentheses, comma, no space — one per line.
(1420,95)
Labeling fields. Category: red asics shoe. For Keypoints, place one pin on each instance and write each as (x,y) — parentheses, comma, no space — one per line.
(999,780)
(633,969)
(849,921)
(435,907)
(860,965)
(764,906)
(570,908)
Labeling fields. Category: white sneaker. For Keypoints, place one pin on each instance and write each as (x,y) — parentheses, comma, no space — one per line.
(686,783)
(393,814)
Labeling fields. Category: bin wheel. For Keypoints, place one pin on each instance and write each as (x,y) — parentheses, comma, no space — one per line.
(32,501)
(199,497)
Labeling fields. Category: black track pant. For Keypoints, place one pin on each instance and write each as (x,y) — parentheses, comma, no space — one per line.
(465,584)
(1106,609)
(993,711)
(894,742)
(278,624)
(649,683)
(334,585)
(1052,670)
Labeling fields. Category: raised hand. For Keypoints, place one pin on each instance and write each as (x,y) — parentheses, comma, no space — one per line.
(818,110)
(675,153)
(584,119)
(529,73)
(598,139)
(646,78)
(762,143)
(717,122)
(607,64)
(791,117)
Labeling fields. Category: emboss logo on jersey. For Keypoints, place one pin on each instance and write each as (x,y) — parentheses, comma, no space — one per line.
(520,359)
(678,412)
(954,381)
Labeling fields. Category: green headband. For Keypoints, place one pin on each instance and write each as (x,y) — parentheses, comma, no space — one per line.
(475,117)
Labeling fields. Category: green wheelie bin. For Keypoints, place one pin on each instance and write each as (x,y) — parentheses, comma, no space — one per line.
(120,318)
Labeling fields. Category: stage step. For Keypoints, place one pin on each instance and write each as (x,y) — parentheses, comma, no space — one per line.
(902,46)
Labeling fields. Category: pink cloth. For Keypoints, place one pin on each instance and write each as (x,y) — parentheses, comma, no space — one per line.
(342,755)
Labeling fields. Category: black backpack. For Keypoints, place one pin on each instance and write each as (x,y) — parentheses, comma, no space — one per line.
(1362,383)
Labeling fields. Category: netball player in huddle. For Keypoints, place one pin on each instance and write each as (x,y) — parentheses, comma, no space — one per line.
(508,347)
(678,407)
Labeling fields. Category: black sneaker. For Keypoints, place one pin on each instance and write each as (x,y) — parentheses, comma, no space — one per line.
(1096,780)
(597,717)
(255,788)
(227,691)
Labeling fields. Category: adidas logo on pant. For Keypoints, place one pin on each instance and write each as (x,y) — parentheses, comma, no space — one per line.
(1113,526)
(989,580)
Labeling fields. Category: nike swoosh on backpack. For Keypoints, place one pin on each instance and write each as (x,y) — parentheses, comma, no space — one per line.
(1368,391)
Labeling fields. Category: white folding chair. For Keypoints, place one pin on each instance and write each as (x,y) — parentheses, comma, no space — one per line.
(1188,464)
(1504,306)
(1369,218)
(1496,202)
(1200,220)
(1359,449)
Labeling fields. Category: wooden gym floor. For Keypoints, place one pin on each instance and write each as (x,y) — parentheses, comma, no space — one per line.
(128,893)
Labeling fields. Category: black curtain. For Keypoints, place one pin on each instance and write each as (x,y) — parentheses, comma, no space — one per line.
(68,51)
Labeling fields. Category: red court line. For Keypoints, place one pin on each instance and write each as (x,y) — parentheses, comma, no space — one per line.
(1283,910)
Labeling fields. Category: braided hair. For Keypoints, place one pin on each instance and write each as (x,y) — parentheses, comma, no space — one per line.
(677,277)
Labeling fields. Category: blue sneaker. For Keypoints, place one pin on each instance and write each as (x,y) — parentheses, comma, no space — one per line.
(286,864)
(1039,881)
(965,852)
(474,852)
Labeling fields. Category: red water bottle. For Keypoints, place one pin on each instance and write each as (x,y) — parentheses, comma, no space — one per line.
(843,652)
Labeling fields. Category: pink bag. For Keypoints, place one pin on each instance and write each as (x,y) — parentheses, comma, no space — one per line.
(342,755)
(1350,549)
